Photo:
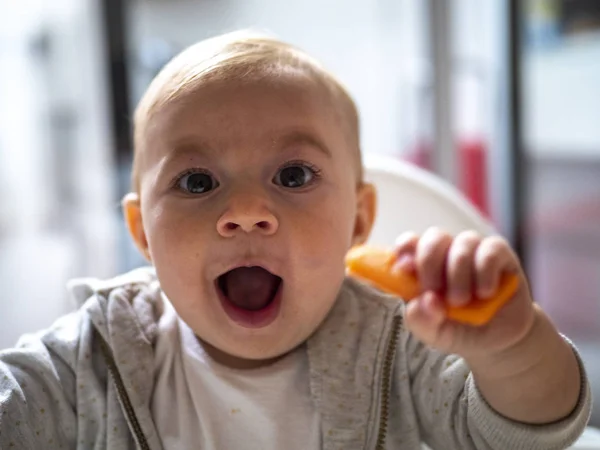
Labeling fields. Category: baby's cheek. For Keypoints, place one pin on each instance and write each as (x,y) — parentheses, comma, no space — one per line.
(324,251)
(327,231)
(321,264)
(180,225)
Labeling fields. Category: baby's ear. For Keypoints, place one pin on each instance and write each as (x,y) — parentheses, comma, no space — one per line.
(133,218)
(366,209)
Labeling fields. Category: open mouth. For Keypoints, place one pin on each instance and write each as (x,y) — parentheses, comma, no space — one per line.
(250,295)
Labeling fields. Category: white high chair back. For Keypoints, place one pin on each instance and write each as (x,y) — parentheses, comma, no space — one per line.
(412,199)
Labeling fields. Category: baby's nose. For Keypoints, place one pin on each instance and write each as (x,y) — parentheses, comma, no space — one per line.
(251,216)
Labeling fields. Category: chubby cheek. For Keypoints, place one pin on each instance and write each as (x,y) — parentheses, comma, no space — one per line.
(322,236)
(174,241)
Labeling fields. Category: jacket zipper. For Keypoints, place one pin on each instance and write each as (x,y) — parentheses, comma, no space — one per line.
(387,383)
(122,393)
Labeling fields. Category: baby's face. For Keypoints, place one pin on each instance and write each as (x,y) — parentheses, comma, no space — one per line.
(249,201)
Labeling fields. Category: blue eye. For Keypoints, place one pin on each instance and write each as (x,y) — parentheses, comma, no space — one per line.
(197,183)
(295,176)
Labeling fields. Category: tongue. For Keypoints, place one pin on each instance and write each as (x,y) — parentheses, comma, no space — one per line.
(250,288)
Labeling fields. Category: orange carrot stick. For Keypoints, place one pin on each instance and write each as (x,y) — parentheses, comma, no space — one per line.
(377,266)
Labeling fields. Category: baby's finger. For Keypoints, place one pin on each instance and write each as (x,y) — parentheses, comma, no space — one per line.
(405,249)
(432,250)
(406,243)
(424,316)
(493,258)
(460,268)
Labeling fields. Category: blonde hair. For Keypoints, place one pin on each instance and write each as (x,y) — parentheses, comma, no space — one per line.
(236,56)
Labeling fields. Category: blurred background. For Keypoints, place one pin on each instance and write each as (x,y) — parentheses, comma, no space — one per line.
(501,98)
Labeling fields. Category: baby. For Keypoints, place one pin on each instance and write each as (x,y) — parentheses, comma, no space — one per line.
(246,333)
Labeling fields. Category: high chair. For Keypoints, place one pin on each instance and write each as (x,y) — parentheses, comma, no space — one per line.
(412,199)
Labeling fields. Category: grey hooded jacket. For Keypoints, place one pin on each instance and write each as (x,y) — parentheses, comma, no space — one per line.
(87,381)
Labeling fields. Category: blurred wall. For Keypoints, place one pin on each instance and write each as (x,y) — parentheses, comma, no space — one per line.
(56,182)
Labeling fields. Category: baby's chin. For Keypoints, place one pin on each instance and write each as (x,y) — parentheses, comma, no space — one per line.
(241,346)
(253,353)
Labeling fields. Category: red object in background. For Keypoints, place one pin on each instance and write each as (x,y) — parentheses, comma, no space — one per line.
(471,167)
(472,173)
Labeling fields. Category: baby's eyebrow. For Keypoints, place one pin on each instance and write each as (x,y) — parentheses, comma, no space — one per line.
(302,138)
(187,147)
(183,149)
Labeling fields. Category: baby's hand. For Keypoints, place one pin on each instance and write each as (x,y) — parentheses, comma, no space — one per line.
(458,270)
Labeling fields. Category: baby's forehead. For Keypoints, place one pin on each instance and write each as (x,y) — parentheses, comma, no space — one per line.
(289,100)
(271,81)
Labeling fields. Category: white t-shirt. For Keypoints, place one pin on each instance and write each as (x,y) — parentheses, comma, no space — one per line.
(198,403)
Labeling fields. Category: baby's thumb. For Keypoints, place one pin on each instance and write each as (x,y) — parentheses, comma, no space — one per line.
(424,317)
